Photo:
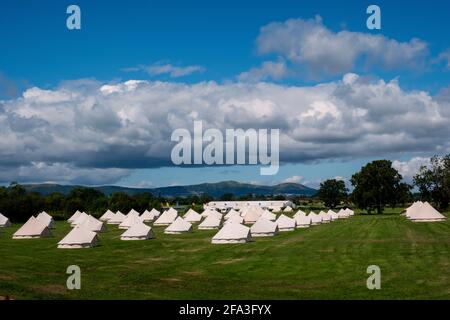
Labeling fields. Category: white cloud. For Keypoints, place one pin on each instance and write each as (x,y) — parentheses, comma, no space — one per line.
(268,70)
(321,51)
(162,68)
(445,56)
(86,125)
(293,179)
(408,169)
(37,172)
(144,184)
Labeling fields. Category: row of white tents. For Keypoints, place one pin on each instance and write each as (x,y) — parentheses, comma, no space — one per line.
(233,227)
(265,223)
(86,227)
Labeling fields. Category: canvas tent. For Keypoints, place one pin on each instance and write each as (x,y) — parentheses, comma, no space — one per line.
(235,219)
(215,214)
(92,224)
(287,209)
(326,218)
(138,231)
(350,212)
(232,233)
(107,215)
(81,217)
(172,210)
(303,221)
(155,212)
(74,216)
(33,228)
(425,213)
(117,218)
(251,214)
(166,218)
(46,219)
(232,213)
(148,216)
(299,212)
(264,228)
(343,214)
(268,215)
(130,220)
(78,237)
(333,215)
(315,218)
(4,221)
(285,223)
(178,226)
(192,216)
(210,222)
(413,208)
(207,212)
(133,213)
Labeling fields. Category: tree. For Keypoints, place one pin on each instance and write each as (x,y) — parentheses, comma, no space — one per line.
(227,197)
(142,201)
(433,182)
(86,199)
(332,192)
(376,185)
(120,201)
(205,198)
(17,204)
(404,195)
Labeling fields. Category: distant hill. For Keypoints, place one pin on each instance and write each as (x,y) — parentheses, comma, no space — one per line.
(213,189)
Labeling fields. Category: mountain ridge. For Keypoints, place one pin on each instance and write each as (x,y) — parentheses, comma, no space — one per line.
(214,189)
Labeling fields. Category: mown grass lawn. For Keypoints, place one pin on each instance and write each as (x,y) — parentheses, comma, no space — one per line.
(323,262)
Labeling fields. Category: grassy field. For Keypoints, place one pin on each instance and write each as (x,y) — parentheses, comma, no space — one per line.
(323,262)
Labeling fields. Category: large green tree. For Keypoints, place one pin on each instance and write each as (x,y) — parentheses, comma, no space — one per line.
(433,181)
(86,199)
(332,192)
(376,185)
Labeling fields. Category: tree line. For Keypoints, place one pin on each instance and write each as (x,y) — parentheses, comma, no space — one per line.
(18,204)
(375,186)
(378,185)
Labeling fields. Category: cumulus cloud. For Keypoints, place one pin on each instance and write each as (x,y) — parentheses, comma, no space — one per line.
(293,179)
(321,51)
(408,169)
(144,184)
(37,172)
(116,127)
(162,68)
(445,56)
(268,70)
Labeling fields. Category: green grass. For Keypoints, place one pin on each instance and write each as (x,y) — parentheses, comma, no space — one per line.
(323,262)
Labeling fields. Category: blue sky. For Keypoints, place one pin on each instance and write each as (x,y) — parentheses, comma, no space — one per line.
(221,37)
